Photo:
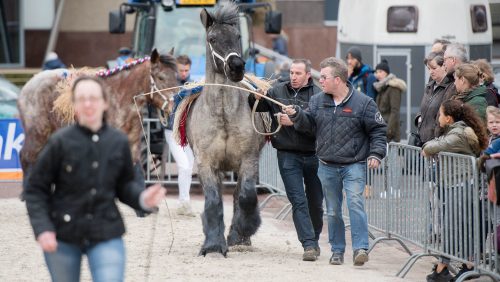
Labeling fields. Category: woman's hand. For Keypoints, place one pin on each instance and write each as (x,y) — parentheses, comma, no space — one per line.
(153,195)
(47,240)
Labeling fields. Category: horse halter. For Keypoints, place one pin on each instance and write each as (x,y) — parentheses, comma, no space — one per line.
(154,89)
(224,60)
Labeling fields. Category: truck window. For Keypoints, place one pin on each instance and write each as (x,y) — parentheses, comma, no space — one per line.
(182,30)
(478,18)
(402,19)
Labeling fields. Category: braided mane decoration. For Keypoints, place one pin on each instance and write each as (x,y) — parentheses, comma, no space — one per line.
(63,106)
(115,70)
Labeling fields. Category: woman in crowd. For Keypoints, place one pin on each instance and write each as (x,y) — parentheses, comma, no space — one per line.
(469,90)
(463,133)
(389,89)
(487,78)
(426,120)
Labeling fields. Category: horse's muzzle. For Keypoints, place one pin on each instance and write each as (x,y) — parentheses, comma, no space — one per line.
(236,69)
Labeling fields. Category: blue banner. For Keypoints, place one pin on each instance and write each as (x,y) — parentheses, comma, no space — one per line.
(11,142)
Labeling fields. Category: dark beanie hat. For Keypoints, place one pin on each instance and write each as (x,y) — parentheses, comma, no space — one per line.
(384,65)
(355,53)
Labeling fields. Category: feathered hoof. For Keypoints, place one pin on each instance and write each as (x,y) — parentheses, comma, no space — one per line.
(233,239)
(215,248)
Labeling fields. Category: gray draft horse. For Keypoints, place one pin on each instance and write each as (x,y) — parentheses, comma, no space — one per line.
(219,130)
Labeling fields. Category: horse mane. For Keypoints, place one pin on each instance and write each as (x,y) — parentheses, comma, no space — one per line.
(226,14)
(63,105)
(169,61)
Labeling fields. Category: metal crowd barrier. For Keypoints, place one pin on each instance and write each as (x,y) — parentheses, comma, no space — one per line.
(270,179)
(438,205)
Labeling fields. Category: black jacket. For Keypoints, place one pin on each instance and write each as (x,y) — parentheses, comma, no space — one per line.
(288,138)
(347,133)
(429,108)
(75,181)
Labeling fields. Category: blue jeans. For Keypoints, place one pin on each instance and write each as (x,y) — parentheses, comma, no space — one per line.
(106,261)
(352,179)
(307,204)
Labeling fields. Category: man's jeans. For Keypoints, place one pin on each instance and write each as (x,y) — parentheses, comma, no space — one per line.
(106,261)
(352,179)
(307,205)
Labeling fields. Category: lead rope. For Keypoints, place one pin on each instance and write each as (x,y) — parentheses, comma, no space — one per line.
(265,119)
(149,254)
(155,90)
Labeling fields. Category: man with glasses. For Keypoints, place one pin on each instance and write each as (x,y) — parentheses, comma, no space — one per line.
(297,159)
(350,134)
(454,56)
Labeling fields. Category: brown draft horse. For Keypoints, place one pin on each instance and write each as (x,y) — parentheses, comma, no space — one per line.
(39,120)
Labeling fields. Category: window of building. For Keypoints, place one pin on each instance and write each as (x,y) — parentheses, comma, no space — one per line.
(331,12)
(478,18)
(402,19)
(10,32)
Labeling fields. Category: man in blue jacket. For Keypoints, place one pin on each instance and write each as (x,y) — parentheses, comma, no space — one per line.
(350,133)
(360,75)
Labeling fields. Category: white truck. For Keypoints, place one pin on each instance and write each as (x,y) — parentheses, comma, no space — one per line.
(402,32)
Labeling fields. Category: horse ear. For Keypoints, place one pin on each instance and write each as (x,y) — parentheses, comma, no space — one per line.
(155,56)
(206,18)
(171,52)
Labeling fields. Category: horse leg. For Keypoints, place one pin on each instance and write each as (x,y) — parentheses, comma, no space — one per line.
(246,218)
(213,214)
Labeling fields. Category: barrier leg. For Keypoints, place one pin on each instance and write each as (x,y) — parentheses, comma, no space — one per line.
(283,209)
(378,240)
(402,273)
(473,274)
(264,202)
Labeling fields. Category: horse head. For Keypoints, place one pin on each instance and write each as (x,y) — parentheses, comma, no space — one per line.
(223,41)
(163,75)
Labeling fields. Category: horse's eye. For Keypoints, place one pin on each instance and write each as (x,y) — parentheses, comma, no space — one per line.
(239,37)
(212,40)
(161,78)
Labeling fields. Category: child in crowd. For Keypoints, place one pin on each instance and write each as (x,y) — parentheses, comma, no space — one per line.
(493,122)
(464,133)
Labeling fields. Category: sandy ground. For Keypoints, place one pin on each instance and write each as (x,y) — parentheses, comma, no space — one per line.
(275,255)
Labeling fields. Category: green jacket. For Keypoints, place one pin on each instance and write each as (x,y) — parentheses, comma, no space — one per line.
(476,98)
(458,138)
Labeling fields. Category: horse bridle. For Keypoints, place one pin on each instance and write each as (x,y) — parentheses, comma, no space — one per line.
(166,101)
(224,60)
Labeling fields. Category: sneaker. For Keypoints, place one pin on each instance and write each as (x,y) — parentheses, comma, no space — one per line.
(185,209)
(337,259)
(359,257)
(310,254)
(463,269)
(443,276)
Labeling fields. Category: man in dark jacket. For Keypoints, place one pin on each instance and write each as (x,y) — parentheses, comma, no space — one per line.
(350,132)
(360,75)
(297,160)
(454,56)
